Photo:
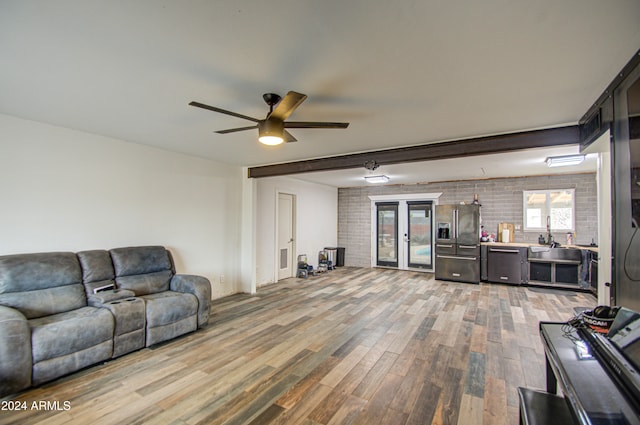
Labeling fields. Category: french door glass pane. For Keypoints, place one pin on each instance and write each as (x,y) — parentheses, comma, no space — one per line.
(387,228)
(420,235)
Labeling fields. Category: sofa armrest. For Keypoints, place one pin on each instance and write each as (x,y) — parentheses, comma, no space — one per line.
(198,286)
(15,351)
(97,300)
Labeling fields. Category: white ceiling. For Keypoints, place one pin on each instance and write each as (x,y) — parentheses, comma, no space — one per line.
(402,73)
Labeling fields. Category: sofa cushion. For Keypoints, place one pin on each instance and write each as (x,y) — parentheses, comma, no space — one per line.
(140,260)
(168,307)
(65,333)
(97,270)
(27,272)
(96,265)
(41,284)
(44,302)
(144,284)
(142,269)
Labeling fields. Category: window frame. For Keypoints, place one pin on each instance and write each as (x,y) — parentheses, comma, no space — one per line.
(547,211)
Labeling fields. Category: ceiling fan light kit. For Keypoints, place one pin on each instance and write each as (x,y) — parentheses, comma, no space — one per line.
(271,130)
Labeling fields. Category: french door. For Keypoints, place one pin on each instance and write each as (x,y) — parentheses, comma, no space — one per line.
(403,234)
(387,234)
(419,240)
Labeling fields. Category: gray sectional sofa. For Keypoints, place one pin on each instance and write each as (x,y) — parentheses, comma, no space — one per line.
(63,311)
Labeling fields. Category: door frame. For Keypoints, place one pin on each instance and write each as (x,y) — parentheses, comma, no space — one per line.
(292,254)
(402,199)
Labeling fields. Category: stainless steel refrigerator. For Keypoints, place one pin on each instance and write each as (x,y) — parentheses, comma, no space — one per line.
(458,243)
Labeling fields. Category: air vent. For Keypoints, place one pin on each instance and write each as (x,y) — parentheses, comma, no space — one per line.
(591,128)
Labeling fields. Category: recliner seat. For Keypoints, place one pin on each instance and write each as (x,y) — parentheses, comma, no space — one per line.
(48,323)
(52,322)
(149,272)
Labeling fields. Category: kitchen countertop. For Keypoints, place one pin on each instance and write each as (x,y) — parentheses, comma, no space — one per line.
(527,245)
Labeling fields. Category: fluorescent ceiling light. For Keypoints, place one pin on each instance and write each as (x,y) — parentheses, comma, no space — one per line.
(376,179)
(566,160)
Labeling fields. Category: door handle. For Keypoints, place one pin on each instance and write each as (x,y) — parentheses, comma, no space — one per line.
(450,257)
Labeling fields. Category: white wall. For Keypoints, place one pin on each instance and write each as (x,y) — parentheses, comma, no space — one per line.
(602,146)
(316,221)
(65,190)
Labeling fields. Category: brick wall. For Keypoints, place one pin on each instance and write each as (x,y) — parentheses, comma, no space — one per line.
(501,201)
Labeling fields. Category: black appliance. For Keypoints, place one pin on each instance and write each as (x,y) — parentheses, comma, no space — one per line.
(506,264)
(458,243)
(598,373)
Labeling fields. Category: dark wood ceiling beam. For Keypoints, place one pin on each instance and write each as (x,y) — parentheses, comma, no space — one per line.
(559,136)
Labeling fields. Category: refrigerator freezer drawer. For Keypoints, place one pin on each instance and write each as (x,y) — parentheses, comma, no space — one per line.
(459,269)
(445,248)
(468,250)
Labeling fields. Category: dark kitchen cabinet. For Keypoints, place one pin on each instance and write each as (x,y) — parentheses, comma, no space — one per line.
(553,266)
(541,272)
(507,265)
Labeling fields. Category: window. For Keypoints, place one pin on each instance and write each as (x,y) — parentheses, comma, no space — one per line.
(558,205)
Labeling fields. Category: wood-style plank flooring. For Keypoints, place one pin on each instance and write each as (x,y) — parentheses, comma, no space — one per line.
(351,346)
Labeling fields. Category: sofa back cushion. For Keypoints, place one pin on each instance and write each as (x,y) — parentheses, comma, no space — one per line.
(97,269)
(144,270)
(41,284)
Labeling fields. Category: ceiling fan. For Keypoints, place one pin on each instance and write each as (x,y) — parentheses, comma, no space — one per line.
(271,130)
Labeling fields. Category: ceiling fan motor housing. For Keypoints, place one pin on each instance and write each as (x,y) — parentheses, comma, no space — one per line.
(271,99)
(271,127)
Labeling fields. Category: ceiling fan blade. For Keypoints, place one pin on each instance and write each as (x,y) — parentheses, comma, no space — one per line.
(310,124)
(287,105)
(288,137)
(233,130)
(222,111)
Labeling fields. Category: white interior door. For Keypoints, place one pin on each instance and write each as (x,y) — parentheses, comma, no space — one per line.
(286,219)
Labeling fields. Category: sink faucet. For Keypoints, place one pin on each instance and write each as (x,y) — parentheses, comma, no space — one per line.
(549,237)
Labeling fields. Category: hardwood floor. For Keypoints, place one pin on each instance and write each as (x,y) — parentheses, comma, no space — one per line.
(351,346)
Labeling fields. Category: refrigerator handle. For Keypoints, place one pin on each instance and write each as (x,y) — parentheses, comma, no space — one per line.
(455,223)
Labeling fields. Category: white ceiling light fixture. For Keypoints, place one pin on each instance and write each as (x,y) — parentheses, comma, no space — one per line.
(377,179)
(565,160)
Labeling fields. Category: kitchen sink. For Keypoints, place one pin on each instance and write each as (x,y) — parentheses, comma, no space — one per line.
(555,255)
